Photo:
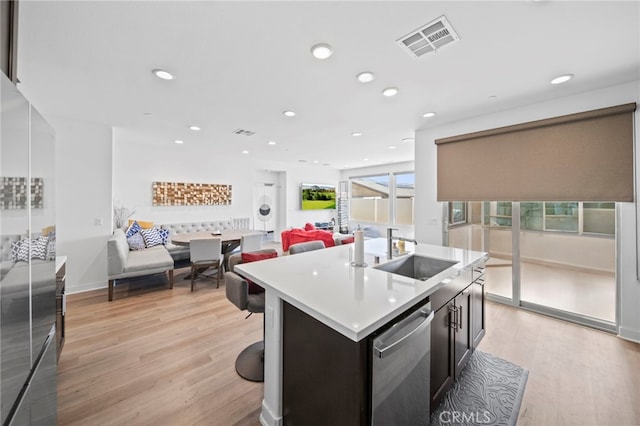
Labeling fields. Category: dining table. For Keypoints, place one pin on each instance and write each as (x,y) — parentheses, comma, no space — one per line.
(230,237)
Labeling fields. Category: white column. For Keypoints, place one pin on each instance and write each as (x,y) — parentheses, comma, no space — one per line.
(271,414)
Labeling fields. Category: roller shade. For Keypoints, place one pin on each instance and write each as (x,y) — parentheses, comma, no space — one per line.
(586,156)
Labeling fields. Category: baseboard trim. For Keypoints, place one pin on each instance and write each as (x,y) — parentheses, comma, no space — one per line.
(629,334)
(267,418)
(84,287)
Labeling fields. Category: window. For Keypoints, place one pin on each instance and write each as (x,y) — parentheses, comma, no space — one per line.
(457,212)
(575,217)
(370,199)
(404,196)
(531,216)
(561,217)
(497,214)
(599,218)
(371,196)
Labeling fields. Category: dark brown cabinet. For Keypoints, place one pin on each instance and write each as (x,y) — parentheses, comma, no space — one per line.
(461,324)
(457,328)
(325,378)
(442,371)
(450,344)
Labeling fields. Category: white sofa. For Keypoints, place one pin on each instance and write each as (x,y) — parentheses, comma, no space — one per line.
(125,263)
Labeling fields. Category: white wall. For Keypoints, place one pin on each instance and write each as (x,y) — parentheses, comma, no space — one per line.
(137,165)
(429,208)
(83,194)
(295,176)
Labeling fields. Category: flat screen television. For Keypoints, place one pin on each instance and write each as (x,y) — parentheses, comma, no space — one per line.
(316,196)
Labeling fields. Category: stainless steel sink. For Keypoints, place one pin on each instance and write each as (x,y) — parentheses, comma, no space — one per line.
(417,267)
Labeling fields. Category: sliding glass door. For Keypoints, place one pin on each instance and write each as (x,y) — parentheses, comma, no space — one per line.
(498,241)
(556,258)
(567,258)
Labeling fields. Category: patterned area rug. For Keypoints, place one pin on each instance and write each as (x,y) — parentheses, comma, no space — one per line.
(488,392)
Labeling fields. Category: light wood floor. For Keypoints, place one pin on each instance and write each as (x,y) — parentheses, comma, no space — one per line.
(156,356)
(577,375)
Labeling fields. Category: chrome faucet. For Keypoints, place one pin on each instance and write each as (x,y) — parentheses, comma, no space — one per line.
(390,239)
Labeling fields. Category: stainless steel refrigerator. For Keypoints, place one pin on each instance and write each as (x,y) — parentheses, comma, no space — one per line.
(27,272)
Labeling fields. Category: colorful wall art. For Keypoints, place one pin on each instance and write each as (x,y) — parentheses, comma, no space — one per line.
(190,194)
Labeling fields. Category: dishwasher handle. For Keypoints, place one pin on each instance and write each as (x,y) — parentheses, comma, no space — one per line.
(381,350)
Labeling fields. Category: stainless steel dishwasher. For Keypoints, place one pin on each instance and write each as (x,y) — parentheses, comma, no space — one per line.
(400,371)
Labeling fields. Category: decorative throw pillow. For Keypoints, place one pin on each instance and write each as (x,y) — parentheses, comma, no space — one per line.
(151,237)
(133,228)
(347,240)
(15,250)
(23,250)
(249,257)
(309,227)
(39,247)
(164,235)
(136,242)
(144,224)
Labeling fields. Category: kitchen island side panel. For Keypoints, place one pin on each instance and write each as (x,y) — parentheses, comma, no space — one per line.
(325,374)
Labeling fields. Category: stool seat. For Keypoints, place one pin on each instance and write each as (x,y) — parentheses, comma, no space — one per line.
(250,362)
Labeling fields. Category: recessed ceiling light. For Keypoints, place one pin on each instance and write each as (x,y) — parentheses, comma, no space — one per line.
(271,143)
(289,113)
(165,75)
(148,114)
(408,140)
(562,79)
(244,151)
(356,134)
(428,114)
(390,91)
(178,141)
(315,161)
(365,77)
(321,50)
(392,147)
(365,159)
(194,128)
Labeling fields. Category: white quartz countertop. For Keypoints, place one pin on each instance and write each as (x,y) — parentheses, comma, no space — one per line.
(354,301)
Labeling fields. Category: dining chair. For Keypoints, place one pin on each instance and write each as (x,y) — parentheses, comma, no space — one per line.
(251,242)
(205,253)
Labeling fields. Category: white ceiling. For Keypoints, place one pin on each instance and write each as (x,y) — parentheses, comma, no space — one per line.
(239,64)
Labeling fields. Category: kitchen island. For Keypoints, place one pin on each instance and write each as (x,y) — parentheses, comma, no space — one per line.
(322,291)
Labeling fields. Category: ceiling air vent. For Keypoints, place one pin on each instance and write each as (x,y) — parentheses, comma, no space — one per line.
(243,132)
(429,38)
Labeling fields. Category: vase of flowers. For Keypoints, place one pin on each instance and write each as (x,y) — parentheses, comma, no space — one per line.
(120,215)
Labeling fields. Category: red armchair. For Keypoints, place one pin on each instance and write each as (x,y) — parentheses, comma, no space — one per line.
(299,235)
